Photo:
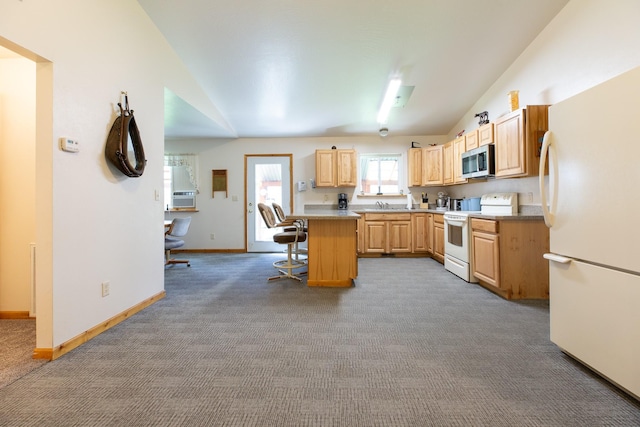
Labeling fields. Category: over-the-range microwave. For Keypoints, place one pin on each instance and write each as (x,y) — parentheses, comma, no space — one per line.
(479,162)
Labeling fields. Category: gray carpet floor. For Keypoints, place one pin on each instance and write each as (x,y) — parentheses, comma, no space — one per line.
(17,341)
(409,345)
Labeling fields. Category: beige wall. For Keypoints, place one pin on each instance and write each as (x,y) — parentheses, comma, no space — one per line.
(17,181)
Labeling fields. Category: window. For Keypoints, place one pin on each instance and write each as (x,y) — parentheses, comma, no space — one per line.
(180,180)
(379,174)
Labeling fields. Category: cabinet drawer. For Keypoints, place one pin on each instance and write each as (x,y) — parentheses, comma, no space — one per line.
(484,225)
(437,218)
(387,217)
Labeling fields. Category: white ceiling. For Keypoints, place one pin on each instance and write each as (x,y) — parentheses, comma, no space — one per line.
(293,68)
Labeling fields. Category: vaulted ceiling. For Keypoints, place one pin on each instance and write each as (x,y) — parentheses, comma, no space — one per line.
(292,68)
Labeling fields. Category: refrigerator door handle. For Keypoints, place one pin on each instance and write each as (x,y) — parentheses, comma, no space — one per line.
(548,212)
(557,258)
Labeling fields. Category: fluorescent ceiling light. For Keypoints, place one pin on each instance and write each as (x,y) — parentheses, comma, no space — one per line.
(389,99)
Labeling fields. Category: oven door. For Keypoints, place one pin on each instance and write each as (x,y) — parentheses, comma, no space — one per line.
(456,237)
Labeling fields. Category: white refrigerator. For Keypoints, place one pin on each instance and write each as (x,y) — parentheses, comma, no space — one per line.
(591,203)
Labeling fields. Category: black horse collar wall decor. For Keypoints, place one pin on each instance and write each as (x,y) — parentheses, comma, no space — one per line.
(124,142)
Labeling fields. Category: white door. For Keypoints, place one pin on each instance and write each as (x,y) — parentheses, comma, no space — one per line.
(268,180)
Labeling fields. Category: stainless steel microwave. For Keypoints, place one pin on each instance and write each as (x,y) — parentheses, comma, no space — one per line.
(479,162)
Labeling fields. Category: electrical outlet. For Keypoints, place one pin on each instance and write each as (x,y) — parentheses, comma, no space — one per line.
(212,236)
(530,197)
(326,197)
(105,289)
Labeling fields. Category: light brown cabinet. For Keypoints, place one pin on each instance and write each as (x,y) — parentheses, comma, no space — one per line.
(438,238)
(432,158)
(420,232)
(471,140)
(459,147)
(507,257)
(387,233)
(414,166)
(425,166)
(336,168)
(447,163)
(518,139)
(485,135)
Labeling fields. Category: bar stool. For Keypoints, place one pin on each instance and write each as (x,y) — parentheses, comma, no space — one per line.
(297,250)
(291,238)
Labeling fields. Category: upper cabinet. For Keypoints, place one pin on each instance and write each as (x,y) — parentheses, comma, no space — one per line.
(459,147)
(471,140)
(414,166)
(447,163)
(485,135)
(336,168)
(425,166)
(432,170)
(518,139)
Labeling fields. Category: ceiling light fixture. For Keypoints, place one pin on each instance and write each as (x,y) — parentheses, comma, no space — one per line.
(384,131)
(389,99)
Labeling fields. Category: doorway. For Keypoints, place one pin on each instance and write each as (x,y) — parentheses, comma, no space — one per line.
(268,179)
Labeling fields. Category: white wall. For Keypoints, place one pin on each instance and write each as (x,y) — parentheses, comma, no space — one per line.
(225,217)
(94,224)
(588,42)
(17,181)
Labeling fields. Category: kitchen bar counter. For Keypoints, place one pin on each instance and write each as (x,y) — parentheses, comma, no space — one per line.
(332,246)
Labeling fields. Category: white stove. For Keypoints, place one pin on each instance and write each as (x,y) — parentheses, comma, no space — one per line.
(457,244)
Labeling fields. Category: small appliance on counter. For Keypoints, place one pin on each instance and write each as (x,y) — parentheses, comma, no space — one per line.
(342,201)
(455,204)
(442,204)
(499,204)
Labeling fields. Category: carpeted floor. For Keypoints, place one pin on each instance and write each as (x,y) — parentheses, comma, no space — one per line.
(409,345)
(17,341)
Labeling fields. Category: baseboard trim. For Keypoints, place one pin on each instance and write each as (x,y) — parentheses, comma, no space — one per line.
(64,348)
(210,251)
(15,315)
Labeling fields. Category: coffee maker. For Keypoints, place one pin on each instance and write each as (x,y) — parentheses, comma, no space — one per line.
(342,201)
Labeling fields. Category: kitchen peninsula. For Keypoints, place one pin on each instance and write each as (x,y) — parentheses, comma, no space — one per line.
(332,246)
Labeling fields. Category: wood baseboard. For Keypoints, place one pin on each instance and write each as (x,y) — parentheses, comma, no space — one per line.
(210,251)
(15,315)
(64,348)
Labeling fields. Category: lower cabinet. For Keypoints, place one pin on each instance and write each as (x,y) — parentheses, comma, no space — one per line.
(420,232)
(387,233)
(507,257)
(438,237)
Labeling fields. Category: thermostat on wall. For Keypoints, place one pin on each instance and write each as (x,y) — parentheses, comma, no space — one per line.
(70,145)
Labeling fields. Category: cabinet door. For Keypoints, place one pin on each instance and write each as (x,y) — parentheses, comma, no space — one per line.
(431,233)
(485,135)
(459,147)
(510,149)
(326,175)
(414,164)
(360,235)
(486,257)
(471,140)
(346,168)
(447,163)
(419,232)
(438,242)
(399,236)
(432,165)
(375,236)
